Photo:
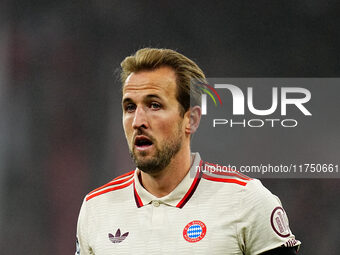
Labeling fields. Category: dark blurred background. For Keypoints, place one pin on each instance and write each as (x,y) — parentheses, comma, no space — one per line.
(60,114)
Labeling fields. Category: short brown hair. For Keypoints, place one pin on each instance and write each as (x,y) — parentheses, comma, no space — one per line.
(187,72)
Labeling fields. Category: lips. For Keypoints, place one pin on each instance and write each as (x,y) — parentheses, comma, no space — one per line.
(143,142)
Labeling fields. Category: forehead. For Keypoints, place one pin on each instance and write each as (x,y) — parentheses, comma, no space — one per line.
(160,81)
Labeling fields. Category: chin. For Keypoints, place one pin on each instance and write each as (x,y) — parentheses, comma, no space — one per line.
(148,165)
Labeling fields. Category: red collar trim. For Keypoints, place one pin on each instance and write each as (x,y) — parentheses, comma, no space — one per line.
(139,202)
(192,188)
(185,198)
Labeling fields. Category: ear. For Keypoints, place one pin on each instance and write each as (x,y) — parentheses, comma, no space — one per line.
(194,117)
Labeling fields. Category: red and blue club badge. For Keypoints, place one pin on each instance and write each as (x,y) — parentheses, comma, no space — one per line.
(194,231)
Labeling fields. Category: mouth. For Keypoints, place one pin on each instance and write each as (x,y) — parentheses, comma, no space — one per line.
(143,143)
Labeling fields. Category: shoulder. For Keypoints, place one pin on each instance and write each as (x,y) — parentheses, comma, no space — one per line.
(257,193)
(261,222)
(119,183)
(223,174)
(234,181)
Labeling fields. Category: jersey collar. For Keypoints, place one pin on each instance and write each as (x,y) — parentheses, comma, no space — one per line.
(179,196)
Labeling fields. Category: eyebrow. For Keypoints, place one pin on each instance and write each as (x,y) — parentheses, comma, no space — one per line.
(128,100)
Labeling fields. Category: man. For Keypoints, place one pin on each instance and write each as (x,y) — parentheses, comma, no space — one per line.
(169,205)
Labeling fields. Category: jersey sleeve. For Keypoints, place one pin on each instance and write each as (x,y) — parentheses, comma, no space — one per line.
(82,245)
(263,224)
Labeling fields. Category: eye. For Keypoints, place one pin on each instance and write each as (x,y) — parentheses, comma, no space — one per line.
(155,106)
(130,107)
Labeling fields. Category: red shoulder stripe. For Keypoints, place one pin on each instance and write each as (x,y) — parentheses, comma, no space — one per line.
(126,174)
(113,182)
(205,176)
(229,172)
(108,190)
(236,174)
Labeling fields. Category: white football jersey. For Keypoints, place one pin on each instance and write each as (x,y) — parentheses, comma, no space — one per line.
(209,212)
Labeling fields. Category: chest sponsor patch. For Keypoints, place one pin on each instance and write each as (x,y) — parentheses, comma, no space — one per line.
(194,231)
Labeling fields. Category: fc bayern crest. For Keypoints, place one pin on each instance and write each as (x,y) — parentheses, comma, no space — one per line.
(194,231)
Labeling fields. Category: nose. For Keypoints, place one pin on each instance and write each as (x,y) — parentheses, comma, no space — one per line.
(140,119)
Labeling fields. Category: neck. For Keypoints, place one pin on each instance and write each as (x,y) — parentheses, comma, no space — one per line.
(165,181)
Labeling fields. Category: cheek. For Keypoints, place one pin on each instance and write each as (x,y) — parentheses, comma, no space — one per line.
(169,127)
(127,126)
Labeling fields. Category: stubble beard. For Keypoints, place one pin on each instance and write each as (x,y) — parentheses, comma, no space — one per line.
(162,157)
